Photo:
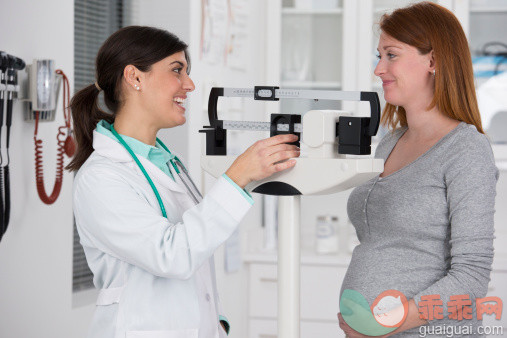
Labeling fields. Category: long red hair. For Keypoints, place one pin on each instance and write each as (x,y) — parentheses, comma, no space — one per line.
(430,27)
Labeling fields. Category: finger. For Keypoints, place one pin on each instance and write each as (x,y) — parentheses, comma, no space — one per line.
(346,330)
(285,138)
(342,323)
(283,155)
(284,165)
(281,147)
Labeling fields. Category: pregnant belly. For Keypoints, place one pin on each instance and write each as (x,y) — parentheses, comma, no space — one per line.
(371,273)
(374,283)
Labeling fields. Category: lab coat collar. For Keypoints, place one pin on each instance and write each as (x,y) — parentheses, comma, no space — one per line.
(107,147)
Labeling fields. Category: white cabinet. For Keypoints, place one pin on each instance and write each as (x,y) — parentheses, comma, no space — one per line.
(263,328)
(484,21)
(320,288)
(335,47)
(312,44)
(311,49)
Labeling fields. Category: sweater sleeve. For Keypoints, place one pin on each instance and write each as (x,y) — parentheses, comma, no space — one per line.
(470,177)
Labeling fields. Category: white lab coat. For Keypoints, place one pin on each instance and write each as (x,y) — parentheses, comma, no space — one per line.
(156,275)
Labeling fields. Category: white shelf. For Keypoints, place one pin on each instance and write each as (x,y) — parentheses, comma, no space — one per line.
(301,11)
(312,84)
(382,10)
(489,10)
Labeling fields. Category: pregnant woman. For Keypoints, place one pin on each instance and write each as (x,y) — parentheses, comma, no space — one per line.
(425,224)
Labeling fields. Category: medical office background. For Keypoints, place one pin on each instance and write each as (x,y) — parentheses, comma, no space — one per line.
(45,286)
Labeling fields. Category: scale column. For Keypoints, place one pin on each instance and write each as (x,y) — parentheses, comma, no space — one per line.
(289,209)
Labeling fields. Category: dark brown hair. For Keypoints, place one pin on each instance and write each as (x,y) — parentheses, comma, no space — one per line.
(134,45)
(430,27)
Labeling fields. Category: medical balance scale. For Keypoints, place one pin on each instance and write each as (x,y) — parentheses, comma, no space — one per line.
(328,136)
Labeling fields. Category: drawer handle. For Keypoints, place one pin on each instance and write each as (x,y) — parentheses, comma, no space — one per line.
(269,280)
(268,336)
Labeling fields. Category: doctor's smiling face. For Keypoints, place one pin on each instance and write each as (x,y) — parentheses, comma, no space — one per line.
(163,91)
(406,74)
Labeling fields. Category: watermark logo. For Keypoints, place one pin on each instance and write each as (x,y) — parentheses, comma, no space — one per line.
(459,307)
(459,330)
(489,305)
(390,308)
(383,317)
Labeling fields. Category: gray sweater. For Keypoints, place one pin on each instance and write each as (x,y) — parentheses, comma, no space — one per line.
(427,228)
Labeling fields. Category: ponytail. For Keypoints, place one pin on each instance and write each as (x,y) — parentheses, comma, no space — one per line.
(85,115)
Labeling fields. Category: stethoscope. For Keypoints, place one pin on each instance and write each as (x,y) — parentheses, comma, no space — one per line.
(179,168)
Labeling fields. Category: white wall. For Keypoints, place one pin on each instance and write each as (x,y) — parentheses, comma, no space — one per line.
(232,286)
(36,251)
(174,17)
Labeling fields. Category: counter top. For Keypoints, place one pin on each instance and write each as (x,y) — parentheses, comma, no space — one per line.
(309,257)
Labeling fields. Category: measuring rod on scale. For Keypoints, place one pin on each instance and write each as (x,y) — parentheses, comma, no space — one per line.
(328,136)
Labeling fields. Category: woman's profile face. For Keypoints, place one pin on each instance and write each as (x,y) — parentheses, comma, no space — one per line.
(164,90)
(406,74)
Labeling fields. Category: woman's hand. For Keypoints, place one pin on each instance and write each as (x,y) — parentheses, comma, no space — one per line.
(263,159)
(350,332)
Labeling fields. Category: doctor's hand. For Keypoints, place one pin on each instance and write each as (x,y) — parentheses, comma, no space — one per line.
(263,159)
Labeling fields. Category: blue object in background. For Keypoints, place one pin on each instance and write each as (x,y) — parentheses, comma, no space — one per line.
(487,66)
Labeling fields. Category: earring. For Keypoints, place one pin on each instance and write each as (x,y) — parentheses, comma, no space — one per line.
(137,87)
(433,72)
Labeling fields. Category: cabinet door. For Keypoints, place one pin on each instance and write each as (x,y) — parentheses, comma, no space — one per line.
(268,329)
(262,293)
(263,329)
(320,288)
(320,292)
(322,330)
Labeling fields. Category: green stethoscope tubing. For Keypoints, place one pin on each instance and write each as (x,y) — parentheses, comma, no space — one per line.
(162,208)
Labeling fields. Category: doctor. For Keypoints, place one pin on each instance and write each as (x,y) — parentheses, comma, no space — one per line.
(148,235)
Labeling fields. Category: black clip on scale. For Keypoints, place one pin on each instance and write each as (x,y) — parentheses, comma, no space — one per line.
(353,133)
